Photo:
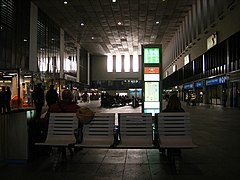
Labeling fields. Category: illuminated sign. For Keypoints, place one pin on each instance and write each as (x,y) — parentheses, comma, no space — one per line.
(187,86)
(151,74)
(198,84)
(153,111)
(151,70)
(151,55)
(216,81)
(212,40)
(152,105)
(151,77)
(151,91)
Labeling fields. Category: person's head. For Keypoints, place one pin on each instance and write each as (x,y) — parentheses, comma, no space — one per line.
(51,86)
(67,96)
(174,103)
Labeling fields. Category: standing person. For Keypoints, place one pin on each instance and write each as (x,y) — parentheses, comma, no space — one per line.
(224,98)
(38,98)
(3,100)
(51,96)
(8,97)
(174,105)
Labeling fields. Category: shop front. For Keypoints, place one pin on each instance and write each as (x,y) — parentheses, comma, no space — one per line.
(216,91)
(189,93)
(21,86)
(199,91)
(234,89)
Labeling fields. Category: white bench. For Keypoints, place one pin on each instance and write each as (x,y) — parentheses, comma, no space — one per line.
(174,131)
(135,130)
(99,133)
(61,134)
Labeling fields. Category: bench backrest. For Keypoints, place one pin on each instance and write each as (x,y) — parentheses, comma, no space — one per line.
(101,126)
(136,129)
(62,124)
(174,124)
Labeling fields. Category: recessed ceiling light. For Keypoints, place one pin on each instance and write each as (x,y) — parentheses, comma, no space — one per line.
(114,1)
(82,24)
(65,2)
(25,40)
(92,37)
(119,23)
(157,22)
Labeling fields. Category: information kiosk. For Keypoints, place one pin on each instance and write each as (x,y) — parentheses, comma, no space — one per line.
(152,78)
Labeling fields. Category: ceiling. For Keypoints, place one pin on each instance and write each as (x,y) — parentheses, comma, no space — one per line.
(142,22)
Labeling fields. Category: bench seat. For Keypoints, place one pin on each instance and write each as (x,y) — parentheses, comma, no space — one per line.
(135,130)
(60,135)
(99,133)
(174,131)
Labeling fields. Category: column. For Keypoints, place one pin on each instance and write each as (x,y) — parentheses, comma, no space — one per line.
(33,64)
(88,68)
(78,62)
(61,52)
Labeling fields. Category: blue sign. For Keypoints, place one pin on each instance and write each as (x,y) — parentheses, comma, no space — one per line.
(198,84)
(187,86)
(216,81)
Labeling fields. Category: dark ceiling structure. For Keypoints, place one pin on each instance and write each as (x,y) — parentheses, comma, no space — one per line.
(104,26)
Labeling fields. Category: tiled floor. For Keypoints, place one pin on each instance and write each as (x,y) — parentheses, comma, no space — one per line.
(216,131)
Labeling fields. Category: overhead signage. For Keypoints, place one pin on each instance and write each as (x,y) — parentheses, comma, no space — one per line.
(151,55)
(187,86)
(198,84)
(216,81)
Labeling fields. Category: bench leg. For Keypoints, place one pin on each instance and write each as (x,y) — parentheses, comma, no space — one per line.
(71,151)
(56,156)
(58,153)
(173,156)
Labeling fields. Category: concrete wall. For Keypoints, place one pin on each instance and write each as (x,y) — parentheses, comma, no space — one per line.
(99,70)
(225,27)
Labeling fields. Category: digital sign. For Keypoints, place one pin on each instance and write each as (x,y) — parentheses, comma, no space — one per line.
(151,55)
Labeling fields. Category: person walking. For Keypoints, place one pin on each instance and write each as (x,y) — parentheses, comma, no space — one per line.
(3,100)
(38,98)
(8,99)
(51,96)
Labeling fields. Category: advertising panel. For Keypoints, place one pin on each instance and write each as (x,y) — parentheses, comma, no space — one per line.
(151,91)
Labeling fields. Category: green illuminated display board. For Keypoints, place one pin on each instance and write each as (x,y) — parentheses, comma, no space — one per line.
(151,55)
